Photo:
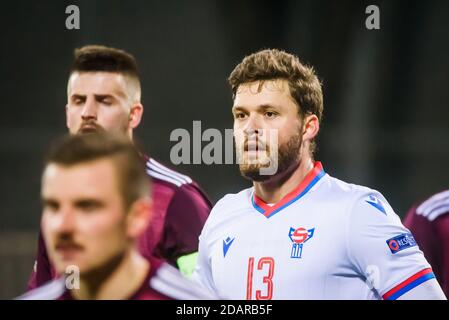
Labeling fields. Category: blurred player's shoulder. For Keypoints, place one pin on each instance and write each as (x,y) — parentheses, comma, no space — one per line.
(434,207)
(428,221)
(163,282)
(167,178)
(52,290)
(160,172)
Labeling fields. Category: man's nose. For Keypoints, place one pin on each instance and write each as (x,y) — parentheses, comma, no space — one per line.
(66,221)
(252,126)
(89,110)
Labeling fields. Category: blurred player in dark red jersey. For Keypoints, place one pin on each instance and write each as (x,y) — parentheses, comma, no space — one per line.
(429,223)
(103,94)
(96,203)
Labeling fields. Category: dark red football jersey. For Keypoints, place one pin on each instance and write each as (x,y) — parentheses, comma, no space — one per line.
(429,223)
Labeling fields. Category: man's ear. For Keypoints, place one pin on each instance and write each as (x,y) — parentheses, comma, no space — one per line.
(310,128)
(135,115)
(139,216)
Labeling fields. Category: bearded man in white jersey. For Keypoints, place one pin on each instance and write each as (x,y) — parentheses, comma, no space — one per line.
(299,233)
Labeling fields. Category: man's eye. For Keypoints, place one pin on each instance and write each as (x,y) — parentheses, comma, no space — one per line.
(270,114)
(88,206)
(239,115)
(107,102)
(51,206)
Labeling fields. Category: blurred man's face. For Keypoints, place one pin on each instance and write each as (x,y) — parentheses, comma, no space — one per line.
(84,221)
(260,114)
(99,101)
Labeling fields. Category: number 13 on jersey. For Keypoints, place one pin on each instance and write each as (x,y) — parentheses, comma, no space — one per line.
(265,265)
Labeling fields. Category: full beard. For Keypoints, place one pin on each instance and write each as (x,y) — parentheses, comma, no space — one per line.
(288,157)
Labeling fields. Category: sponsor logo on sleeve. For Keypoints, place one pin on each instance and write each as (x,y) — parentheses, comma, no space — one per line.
(376,203)
(401,242)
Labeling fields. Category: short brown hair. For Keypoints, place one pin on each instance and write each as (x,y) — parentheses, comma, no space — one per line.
(96,58)
(272,64)
(102,58)
(71,150)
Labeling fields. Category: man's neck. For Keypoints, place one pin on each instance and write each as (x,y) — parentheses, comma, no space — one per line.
(120,283)
(274,189)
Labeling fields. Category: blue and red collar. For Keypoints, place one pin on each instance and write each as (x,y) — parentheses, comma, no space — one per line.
(309,181)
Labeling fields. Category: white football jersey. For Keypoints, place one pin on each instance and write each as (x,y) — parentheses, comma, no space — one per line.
(327,239)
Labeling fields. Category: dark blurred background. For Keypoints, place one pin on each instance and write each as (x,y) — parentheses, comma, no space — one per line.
(386,91)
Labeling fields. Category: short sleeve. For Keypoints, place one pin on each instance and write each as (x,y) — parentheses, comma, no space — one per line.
(382,250)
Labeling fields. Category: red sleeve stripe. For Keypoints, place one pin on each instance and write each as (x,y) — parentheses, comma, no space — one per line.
(409,284)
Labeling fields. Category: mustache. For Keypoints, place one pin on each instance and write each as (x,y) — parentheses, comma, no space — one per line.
(90,126)
(66,242)
(255,144)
